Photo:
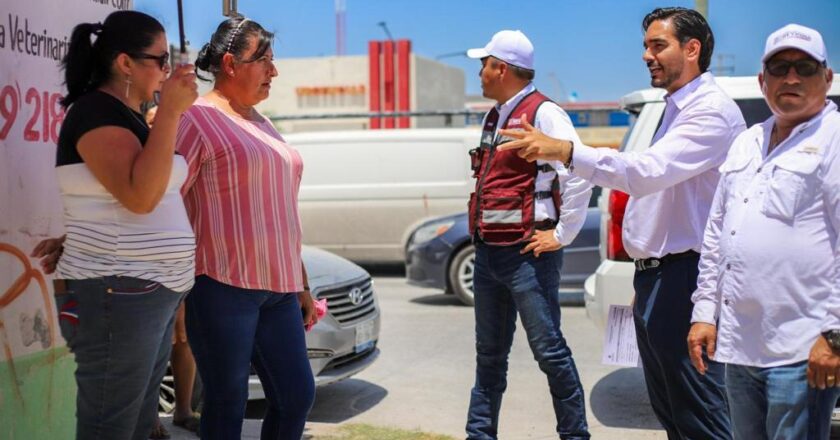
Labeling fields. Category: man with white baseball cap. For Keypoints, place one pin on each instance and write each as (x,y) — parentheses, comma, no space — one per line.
(767,302)
(521,215)
(512,47)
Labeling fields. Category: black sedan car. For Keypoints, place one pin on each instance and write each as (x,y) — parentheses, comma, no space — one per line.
(439,254)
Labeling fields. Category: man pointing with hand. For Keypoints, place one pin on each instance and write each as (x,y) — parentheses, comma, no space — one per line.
(671,186)
(521,214)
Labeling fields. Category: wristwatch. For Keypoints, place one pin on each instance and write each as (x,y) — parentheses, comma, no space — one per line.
(833,338)
(569,164)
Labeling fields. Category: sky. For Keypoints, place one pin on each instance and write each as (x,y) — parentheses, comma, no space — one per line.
(590,49)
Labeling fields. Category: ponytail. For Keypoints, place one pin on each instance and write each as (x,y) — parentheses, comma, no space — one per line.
(203,62)
(87,65)
(79,64)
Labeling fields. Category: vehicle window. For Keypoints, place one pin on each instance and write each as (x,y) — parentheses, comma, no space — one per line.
(631,122)
(593,200)
(755,110)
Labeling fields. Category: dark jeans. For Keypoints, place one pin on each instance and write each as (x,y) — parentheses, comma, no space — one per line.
(689,405)
(777,403)
(122,341)
(229,329)
(506,282)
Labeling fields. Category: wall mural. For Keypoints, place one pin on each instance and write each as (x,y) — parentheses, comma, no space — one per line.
(36,326)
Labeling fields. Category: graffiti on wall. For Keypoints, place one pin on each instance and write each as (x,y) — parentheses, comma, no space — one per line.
(36,326)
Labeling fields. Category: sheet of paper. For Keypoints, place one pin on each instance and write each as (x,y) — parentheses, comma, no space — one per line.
(620,339)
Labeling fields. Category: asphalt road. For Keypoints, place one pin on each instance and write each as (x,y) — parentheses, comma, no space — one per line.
(423,377)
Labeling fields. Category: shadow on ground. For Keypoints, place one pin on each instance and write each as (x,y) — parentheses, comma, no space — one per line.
(620,400)
(385,269)
(340,401)
(440,299)
(333,403)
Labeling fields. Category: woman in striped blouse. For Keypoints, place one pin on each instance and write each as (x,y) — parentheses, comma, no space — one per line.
(242,198)
(128,256)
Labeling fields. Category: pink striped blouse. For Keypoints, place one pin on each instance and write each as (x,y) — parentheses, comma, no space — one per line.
(241,196)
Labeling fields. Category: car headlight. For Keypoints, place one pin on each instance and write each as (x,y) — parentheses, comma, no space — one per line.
(431,231)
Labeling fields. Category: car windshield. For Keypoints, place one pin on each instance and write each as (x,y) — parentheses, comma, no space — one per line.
(755,110)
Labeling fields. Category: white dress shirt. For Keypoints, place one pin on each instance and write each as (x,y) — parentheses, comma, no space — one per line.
(553,121)
(770,266)
(672,183)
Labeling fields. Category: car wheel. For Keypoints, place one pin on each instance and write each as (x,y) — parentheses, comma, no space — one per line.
(166,396)
(461,271)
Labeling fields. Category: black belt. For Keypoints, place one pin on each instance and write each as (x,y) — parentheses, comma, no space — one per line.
(545,225)
(651,263)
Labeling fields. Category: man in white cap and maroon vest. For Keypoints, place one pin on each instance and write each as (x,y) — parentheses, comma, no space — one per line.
(521,215)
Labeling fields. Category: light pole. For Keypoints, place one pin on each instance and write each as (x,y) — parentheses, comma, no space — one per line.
(384,27)
(462,53)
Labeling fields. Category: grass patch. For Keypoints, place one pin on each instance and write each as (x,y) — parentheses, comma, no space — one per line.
(370,432)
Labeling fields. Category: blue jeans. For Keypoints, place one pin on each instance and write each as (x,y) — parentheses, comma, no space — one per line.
(231,328)
(689,405)
(776,403)
(506,282)
(122,341)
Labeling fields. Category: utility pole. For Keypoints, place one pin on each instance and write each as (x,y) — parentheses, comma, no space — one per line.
(340,27)
(229,8)
(702,6)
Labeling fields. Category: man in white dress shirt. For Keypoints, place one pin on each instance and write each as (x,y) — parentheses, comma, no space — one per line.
(768,293)
(671,186)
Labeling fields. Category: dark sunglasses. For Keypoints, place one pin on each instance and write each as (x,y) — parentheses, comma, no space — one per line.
(162,60)
(804,67)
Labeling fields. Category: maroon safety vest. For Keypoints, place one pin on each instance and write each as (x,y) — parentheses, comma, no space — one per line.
(501,210)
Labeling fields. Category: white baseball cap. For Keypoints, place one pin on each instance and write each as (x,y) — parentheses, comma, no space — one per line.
(512,47)
(794,36)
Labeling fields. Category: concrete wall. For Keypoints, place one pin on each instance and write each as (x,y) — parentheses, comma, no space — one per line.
(436,86)
(317,72)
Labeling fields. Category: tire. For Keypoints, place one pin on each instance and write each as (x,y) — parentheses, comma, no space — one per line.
(166,396)
(460,274)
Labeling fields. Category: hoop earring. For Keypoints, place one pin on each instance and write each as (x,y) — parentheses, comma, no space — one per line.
(127,86)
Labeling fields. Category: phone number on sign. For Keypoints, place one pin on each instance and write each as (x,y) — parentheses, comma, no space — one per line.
(45,113)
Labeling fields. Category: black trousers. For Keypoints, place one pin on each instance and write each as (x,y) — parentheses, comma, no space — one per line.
(689,405)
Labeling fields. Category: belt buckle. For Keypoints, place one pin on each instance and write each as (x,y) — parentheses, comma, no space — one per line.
(647,263)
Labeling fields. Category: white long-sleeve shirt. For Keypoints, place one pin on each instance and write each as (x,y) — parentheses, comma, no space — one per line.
(770,265)
(553,121)
(672,183)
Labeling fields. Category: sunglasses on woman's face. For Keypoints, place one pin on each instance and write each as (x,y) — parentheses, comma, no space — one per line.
(804,68)
(162,60)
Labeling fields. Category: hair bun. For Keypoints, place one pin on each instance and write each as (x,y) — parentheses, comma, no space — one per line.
(202,60)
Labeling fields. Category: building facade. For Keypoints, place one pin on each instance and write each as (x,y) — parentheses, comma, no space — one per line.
(389,78)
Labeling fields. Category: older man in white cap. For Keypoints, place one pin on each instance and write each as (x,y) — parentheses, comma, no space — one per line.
(521,215)
(768,297)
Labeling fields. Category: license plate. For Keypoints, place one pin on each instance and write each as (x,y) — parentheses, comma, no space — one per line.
(364,336)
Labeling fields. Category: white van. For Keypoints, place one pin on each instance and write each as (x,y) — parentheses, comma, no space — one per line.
(362,191)
(612,283)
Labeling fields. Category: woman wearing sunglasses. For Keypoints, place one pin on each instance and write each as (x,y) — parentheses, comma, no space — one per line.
(129,249)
